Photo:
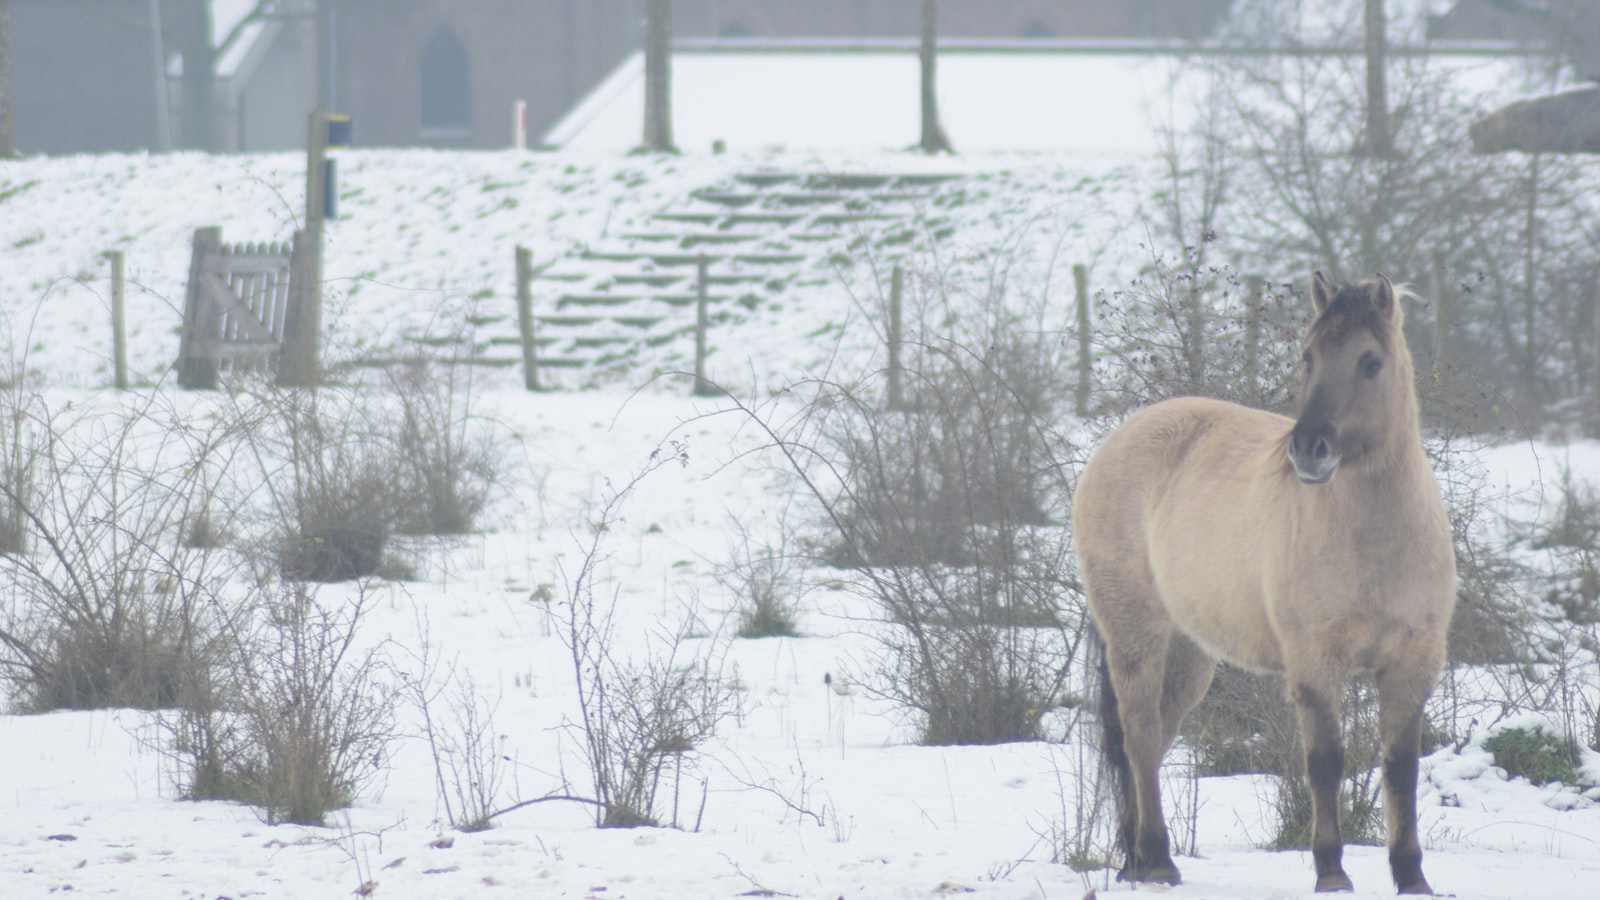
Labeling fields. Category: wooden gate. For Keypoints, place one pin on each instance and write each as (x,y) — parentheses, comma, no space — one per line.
(241,309)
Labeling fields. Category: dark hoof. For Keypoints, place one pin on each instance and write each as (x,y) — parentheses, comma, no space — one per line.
(1420,886)
(1336,882)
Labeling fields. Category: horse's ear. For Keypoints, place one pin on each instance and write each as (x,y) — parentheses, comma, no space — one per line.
(1322,291)
(1383,299)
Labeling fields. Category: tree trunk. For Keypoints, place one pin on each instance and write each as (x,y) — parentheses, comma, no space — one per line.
(658,77)
(1594,365)
(933,139)
(1380,142)
(8,137)
(199,79)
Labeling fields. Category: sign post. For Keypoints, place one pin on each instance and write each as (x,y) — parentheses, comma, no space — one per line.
(300,361)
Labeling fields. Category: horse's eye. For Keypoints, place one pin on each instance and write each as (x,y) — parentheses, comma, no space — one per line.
(1371,366)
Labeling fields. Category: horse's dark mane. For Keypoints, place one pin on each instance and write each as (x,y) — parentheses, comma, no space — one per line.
(1353,308)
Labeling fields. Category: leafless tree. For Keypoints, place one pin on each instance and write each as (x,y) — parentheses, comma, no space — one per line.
(191,32)
(199,77)
(933,137)
(658,77)
(1379,140)
(8,138)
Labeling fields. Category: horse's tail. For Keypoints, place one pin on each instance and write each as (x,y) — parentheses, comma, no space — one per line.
(1116,775)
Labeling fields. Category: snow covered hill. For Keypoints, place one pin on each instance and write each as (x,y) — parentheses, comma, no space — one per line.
(811,787)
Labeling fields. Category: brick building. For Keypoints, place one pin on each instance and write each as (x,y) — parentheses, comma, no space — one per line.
(92,75)
(446,72)
(433,72)
(82,77)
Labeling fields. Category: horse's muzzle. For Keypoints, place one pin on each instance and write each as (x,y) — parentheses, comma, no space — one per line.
(1312,454)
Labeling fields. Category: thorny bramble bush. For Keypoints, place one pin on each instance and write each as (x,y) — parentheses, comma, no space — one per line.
(938,500)
(452,459)
(327,467)
(640,721)
(297,718)
(108,605)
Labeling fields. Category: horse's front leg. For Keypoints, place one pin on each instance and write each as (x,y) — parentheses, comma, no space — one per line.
(1317,704)
(1401,694)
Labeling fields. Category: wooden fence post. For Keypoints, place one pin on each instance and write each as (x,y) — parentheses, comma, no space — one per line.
(119,337)
(1080,284)
(1253,287)
(298,361)
(199,340)
(530,351)
(896,333)
(702,323)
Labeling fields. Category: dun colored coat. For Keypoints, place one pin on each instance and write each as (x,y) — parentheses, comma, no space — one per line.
(1317,547)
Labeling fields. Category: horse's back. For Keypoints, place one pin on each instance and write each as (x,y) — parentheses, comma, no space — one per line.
(1172,446)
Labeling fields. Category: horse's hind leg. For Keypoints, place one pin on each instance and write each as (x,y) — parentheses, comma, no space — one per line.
(1188,677)
(1137,667)
(1401,693)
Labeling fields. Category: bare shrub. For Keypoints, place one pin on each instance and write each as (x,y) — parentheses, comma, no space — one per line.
(639,720)
(468,762)
(1360,815)
(451,458)
(1244,725)
(1491,621)
(766,582)
(1571,544)
(327,465)
(979,653)
(987,618)
(107,607)
(297,719)
(970,451)
(947,502)
(1082,832)
(940,504)
(1184,327)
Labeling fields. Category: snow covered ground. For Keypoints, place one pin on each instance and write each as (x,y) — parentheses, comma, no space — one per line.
(812,788)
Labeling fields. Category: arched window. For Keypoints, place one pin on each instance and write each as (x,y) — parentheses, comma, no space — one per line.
(446,83)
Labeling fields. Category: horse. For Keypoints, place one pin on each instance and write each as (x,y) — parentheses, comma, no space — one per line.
(1318,547)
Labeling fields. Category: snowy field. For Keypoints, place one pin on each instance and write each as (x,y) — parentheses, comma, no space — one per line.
(812,787)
